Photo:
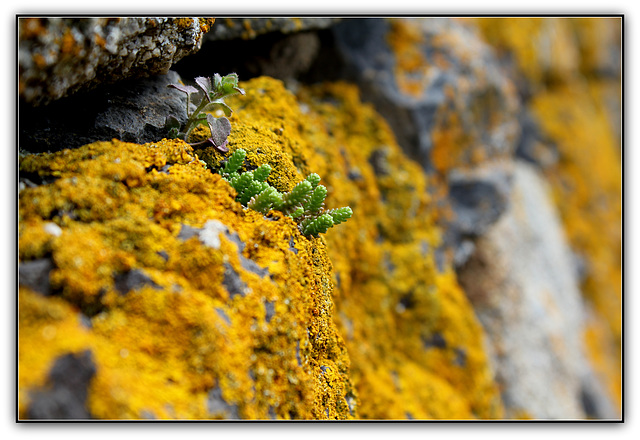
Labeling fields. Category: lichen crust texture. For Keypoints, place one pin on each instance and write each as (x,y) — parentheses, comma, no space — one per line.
(577,104)
(194,307)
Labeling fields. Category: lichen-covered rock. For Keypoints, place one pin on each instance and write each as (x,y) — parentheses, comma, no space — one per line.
(224,322)
(552,49)
(193,307)
(573,90)
(140,273)
(448,101)
(391,299)
(440,88)
(83,53)
(587,188)
(229,28)
(531,307)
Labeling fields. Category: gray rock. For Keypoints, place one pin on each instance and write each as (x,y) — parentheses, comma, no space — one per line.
(270,310)
(187,232)
(60,56)
(523,287)
(66,393)
(232,282)
(460,80)
(478,198)
(533,146)
(35,275)
(133,280)
(218,406)
(132,111)
(279,55)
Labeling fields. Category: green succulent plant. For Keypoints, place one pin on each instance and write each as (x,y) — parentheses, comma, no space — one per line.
(214,91)
(304,203)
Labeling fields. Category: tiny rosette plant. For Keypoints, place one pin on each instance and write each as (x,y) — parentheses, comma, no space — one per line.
(304,203)
(214,91)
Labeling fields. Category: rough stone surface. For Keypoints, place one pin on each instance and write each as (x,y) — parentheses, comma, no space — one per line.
(478,198)
(235,315)
(248,28)
(216,405)
(523,286)
(133,280)
(59,56)
(35,274)
(434,82)
(279,55)
(133,111)
(66,394)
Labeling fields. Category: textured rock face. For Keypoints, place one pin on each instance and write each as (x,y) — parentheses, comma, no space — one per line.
(573,91)
(531,306)
(58,57)
(133,112)
(172,286)
(229,28)
(466,285)
(440,88)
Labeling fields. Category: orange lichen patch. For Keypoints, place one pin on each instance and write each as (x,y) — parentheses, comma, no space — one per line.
(206,23)
(389,298)
(449,141)
(587,185)
(405,40)
(205,327)
(40,60)
(205,330)
(68,46)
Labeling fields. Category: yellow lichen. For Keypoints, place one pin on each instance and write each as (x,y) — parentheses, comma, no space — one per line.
(405,39)
(273,351)
(572,66)
(389,297)
(587,186)
(161,348)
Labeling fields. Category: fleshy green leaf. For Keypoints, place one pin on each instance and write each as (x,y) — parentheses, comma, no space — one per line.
(314,179)
(317,225)
(235,161)
(316,200)
(262,172)
(340,215)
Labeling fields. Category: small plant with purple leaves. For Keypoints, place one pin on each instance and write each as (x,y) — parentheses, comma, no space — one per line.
(214,90)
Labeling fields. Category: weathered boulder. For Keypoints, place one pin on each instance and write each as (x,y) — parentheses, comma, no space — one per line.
(132,111)
(440,88)
(531,307)
(572,97)
(60,56)
(232,313)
